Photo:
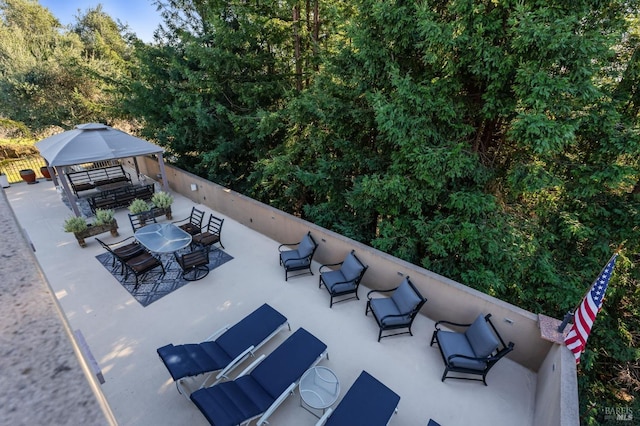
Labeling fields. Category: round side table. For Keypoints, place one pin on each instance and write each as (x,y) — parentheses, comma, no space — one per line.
(319,389)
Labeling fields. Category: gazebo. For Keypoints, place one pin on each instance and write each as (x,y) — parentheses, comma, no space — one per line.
(91,142)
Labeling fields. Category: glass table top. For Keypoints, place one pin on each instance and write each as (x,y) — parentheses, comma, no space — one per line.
(162,237)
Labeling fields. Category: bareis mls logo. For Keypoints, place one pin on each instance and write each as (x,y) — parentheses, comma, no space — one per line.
(618,413)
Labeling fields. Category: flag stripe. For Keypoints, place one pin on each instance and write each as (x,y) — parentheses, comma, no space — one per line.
(585,315)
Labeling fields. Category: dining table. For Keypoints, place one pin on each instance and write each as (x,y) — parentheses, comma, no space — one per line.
(162,237)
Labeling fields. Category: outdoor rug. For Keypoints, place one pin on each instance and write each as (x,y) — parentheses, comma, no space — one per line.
(153,285)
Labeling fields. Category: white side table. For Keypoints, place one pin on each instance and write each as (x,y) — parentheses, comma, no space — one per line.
(319,389)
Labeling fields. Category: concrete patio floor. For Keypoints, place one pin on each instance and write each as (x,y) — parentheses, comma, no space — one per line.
(123,336)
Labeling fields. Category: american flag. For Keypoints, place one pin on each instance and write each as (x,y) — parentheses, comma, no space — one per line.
(585,315)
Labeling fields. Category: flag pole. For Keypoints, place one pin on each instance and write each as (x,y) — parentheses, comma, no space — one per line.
(569,315)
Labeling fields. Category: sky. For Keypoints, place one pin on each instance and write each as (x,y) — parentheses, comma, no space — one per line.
(140,15)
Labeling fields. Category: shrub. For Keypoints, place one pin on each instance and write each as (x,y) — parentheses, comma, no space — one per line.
(75,224)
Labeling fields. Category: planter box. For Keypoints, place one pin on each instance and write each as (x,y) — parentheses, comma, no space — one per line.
(157,212)
(93,230)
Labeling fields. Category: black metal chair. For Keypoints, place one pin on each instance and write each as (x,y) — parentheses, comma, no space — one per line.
(473,351)
(210,234)
(122,251)
(193,223)
(141,265)
(138,220)
(344,281)
(396,311)
(298,259)
(194,264)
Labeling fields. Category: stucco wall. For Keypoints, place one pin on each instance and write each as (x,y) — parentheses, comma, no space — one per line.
(556,388)
(444,295)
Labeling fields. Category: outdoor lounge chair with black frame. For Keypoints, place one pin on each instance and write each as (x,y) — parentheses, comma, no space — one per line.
(122,251)
(343,281)
(224,350)
(193,223)
(397,311)
(367,402)
(264,385)
(474,351)
(298,259)
(210,234)
(194,264)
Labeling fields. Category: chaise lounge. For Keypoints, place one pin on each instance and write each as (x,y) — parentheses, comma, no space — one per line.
(223,350)
(264,385)
(368,402)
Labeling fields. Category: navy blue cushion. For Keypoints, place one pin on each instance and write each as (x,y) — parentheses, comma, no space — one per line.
(193,359)
(405,297)
(306,246)
(251,330)
(288,362)
(452,343)
(481,338)
(230,403)
(351,268)
(225,404)
(293,259)
(383,307)
(367,403)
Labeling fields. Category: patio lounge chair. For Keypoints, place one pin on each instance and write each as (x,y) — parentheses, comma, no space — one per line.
(397,311)
(367,403)
(343,281)
(264,385)
(473,351)
(298,259)
(193,223)
(224,350)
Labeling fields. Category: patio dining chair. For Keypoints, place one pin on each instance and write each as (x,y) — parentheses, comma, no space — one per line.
(138,220)
(343,281)
(122,251)
(396,311)
(141,265)
(194,264)
(193,223)
(210,234)
(298,259)
(473,351)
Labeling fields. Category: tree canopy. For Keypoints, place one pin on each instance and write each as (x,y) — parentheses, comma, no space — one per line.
(493,142)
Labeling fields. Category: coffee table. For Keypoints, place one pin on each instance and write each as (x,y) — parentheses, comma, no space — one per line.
(319,389)
(163,237)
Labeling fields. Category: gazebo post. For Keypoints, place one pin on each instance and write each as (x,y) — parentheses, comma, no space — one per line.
(163,173)
(65,185)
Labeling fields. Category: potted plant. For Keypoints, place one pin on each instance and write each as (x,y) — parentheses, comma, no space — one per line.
(105,222)
(162,201)
(29,176)
(139,206)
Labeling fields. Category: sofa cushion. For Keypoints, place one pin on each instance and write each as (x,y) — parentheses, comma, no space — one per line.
(306,246)
(481,337)
(452,343)
(405,298)
(351,267)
